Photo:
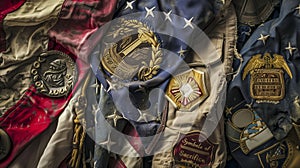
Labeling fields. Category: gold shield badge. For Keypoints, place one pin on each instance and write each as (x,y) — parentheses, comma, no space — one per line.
(187,90)
(137,54)
(266,77)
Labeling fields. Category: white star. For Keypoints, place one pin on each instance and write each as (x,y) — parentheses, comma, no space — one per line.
(263,38)
(94,108)
(113,85)
(108,143)
(298,8)
(143,116)
(149,12)
(167,15)
(115,117)
(96,86)
(290,48)
(129,4)
(188,23)
(181,52)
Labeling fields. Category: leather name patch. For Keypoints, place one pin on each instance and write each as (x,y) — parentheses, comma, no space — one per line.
(193,150)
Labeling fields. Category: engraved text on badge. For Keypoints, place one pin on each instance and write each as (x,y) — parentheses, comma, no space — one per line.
(54,74)
(266,77)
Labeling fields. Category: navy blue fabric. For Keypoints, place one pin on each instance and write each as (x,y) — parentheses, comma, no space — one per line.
(281,31)
(202,11)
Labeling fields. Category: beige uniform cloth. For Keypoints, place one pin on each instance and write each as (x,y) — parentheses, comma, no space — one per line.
(222,33)
(26,32)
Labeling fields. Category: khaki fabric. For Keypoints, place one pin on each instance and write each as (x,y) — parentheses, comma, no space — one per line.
(223,35)
(52,146)
(60,144)
(26,32)
(134,162)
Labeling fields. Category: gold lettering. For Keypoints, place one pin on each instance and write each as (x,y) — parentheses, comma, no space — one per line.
(193,157)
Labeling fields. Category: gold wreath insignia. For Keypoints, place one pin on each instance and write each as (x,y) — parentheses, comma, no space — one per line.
(135,37)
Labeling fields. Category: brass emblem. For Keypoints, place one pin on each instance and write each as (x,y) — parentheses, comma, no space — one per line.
(187,90)
(5,144)
(267,81)
(54,74)
(273,156)
(194,150)
(138,54)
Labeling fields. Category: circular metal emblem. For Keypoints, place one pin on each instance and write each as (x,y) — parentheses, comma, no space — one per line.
(5,144)
(242,118)
(54,74)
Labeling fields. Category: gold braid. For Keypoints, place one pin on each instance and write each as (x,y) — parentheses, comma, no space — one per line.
(79,133)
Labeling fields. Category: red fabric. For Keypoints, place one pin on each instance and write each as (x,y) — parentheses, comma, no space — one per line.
(135,140)
(34,112)
(116,163)
(79,19)
(5,8)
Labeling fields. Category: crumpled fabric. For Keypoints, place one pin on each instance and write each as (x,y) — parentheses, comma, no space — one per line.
(26,115)
(282,31)
(279,117)
(5,8)
(206,15)
(78,20)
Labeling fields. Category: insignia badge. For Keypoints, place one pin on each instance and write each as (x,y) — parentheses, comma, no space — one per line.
(267,81)
(54,74)
(5,144)
(254,135)
(187,90)
(138,54)
(273,156)
(194,150)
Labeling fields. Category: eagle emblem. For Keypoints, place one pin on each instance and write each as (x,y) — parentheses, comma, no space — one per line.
(266,81)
